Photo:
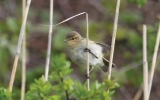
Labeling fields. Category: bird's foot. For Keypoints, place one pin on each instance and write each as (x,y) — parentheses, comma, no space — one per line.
(88,76)
(87,50)
(90,69)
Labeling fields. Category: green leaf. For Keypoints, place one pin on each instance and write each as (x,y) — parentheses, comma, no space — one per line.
(68,84)
(60,84)
(65,72)
(55,97)
(111,84)
(5,94)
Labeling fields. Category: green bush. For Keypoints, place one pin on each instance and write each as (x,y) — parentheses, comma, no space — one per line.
(5,94)
(61,87)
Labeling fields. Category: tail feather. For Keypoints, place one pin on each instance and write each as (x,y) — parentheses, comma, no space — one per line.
(106,64)
(104,68)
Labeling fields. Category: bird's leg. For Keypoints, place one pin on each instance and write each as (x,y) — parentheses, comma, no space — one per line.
(88,76)
(90,69)
(88,50)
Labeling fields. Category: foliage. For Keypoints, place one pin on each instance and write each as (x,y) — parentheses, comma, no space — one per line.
(5,94)
(40,90)
(98,91)
(61,87)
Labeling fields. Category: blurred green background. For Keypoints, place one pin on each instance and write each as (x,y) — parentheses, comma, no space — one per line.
(128,49)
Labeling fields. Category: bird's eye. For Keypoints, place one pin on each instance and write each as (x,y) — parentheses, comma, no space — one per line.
(72,38)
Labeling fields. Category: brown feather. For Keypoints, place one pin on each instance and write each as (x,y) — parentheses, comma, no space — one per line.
(105,47)
(106,64)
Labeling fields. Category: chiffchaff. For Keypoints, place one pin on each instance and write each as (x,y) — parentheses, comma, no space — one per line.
(76,46)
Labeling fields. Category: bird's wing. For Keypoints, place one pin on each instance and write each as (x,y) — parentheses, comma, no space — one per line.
(105,47)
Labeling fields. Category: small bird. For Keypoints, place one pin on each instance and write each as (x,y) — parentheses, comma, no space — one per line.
(76,46)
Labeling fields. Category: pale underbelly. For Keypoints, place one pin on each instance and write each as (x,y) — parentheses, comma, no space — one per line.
(79,57)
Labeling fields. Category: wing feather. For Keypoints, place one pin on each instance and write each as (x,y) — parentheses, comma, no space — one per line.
(105,47)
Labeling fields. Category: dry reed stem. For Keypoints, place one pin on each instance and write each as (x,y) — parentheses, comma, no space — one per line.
(23,84)
(67,19)
(87,56)
(49,41)
(145,64)
(154,61)
(125,93)
(87,34)
(19,46)
(139,93)
(113,38)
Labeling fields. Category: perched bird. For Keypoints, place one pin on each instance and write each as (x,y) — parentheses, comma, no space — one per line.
(76,46)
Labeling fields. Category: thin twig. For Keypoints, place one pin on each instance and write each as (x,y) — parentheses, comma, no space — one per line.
(67,19)
(87,55)
(19,46)
(49,41)
(67,94)
(125,93)
(134,65)
(139,93)
(145,64)
(23,55)
(113,38)
(154,60)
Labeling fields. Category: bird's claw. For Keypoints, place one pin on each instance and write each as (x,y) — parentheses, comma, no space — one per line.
(87,50)
(88,76)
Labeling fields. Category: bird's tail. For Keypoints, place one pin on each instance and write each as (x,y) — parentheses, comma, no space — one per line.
(106,64)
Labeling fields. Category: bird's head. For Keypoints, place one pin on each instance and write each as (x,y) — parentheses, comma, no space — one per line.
(73,38)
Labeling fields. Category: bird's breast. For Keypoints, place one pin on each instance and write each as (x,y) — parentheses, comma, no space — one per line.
(78,54)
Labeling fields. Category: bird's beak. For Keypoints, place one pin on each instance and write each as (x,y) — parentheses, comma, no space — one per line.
(65,40)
